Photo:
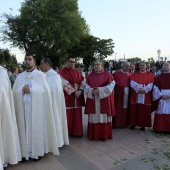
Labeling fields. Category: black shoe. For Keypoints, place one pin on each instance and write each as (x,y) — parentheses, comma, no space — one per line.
(142,128)
(102,139)
(35,160)
(132,127)
(23,160)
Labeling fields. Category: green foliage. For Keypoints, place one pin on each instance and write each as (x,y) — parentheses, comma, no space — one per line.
(91,48)
(7,58)
(151,59)
(46,28)
(135,59)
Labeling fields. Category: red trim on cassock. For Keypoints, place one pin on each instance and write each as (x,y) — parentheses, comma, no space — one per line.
(99,131)
(140,115)
(120,120)
(161,123)
(162,81)
(106,104)
(73,77)
(122,79)
(142,78)
(74,121)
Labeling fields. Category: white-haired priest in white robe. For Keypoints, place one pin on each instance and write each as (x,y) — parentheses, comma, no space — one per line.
(59,107)
(33,107)
(9,139)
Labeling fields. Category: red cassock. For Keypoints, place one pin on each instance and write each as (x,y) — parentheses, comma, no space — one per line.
(100,130)
(73,105)
(162,121)
(140,114)
(120,120)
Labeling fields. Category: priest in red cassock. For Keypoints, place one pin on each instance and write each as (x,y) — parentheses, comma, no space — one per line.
(141,98)
(161,94)
(100,103)
(73,84)
(121,96)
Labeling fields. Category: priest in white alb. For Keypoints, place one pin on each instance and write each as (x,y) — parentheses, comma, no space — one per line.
(33,107)
(9,140)
(1,167)
(58,101)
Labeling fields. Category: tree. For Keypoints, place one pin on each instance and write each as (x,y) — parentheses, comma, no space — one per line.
(7,58)
(46,27)
(151,59)
(91,48)
(2,57)
(135,59)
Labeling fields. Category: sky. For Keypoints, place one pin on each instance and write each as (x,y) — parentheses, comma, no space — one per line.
(138,27)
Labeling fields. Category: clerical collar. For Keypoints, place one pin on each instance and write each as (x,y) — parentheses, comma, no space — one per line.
(143,72)
(123,71)
(99,72)
(69,67)
(30,71)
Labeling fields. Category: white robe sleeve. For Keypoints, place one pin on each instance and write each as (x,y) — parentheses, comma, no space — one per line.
(135,86)
(164,105)
(106,90)
(88,91)
(82,85)
(148,87)
(64,82)
(67,86)
(156,93)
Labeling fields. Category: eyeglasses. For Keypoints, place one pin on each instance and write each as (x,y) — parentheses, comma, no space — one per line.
(71,61)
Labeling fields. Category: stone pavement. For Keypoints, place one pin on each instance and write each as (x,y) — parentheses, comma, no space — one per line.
(128,150)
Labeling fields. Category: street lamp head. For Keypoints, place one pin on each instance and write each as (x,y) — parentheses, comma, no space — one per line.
(159,51)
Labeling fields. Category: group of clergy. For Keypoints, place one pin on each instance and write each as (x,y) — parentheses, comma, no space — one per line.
(45,108)
(138,95)
(116,101)
(33,117)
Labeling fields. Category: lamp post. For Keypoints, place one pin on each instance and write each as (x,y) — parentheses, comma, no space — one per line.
(159,53)
(115,56)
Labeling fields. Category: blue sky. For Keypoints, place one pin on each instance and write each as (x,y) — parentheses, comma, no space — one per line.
(138,27)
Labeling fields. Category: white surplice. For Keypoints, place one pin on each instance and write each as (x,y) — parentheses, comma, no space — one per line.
(35,115)
(137,87)
(164,105)
(103,93)
(1,166)
(59,107)
(9,139)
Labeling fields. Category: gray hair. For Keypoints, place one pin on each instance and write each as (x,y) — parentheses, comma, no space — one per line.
(123,63)
(101,62)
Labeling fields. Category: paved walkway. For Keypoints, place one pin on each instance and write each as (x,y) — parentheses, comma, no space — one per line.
(128,150)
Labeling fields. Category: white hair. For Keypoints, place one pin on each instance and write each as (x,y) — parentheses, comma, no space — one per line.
(123,63)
